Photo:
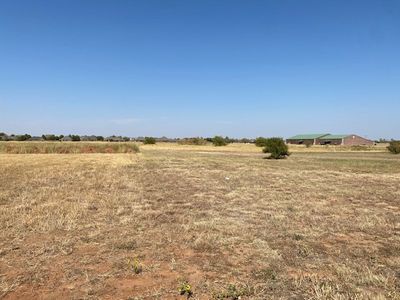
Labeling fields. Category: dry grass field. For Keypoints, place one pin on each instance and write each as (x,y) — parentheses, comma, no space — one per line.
(321,224)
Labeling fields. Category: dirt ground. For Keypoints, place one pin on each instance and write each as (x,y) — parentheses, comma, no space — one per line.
(232,225)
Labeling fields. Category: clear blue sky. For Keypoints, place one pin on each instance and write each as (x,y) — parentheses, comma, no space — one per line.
(200,68)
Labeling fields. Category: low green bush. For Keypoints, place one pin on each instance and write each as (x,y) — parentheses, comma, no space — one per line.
(219,141)
(276,147)
(260,141)
(198,141)
(394,147)
(148,140)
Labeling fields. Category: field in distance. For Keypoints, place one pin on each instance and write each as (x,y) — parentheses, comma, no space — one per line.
(322,224)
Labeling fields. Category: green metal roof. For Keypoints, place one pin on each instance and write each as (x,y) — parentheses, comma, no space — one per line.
(308,136)
(334,136)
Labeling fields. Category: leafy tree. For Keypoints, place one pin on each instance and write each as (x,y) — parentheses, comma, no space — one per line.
(126,139)
(148,140)
(219,141)
(99,138)
(199,141)
(260,141)
(50,137)
(75,138)
(394,147)
(276,147)
(23,137)
(245,141)
(229,140)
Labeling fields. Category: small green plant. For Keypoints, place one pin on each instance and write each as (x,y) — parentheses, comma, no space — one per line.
(135,266)
(276,147)
(185,289)
(394,147)
(260,141)
(148,140)
(219,141)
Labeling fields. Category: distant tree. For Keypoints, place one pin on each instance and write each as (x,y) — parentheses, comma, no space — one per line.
(219,141)
(245,141)
(75,138)
(148,140)
(229,140)
(23,137)
(276,147)
(198,141)
(260,141)
(99,138)
(394,147)
(126,139)
(50,137)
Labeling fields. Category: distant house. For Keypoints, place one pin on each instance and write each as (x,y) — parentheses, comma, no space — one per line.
(306,139)
(114,139)
(66,138)
(344,139)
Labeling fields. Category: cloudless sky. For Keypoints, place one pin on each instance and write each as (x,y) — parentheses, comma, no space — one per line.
(200,68)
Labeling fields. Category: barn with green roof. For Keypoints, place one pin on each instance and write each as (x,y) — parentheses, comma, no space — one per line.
(344,139)
(306,139)
(329,139)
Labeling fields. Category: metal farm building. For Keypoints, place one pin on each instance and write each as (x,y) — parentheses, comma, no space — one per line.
(344,139)
(329,139)
(305,139)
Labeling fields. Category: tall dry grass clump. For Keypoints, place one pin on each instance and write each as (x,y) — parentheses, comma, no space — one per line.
(66,147)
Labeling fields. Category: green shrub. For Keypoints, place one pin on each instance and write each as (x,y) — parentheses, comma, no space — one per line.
(148,140)
(23,137)
(198,141)
(51,137)
(219,141)
(394,147)
(276,147)
(260,141)
(75,138)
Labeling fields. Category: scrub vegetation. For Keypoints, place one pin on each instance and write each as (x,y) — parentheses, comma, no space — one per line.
(178,221)
(67,147)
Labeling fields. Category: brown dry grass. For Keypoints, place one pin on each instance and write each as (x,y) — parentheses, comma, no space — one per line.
(67,147)
(314,226)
